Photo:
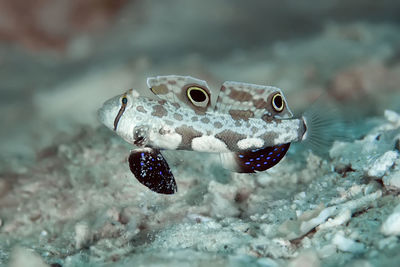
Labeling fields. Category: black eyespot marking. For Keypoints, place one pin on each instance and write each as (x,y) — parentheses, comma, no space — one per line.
(198,95)
(277,102)
(124,100)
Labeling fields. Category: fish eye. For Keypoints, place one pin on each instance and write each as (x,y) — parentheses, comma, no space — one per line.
(277,102)
(124,101)
(198,96)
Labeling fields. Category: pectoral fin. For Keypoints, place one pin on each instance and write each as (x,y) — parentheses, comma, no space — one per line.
(152,170)
(256,160)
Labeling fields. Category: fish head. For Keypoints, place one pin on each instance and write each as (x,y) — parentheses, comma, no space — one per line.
(114,113)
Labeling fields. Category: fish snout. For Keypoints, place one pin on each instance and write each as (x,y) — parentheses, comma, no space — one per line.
(107,113)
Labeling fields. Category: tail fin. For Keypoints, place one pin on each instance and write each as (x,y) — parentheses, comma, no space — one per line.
(324,125)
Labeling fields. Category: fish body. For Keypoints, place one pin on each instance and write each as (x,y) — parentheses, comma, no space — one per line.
(169,127)
(251,126)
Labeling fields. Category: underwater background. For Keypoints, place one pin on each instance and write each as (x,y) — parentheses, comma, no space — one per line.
(68,198)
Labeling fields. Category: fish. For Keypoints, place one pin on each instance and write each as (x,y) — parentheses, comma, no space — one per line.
(251,126)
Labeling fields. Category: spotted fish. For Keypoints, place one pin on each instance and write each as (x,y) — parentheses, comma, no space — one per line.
(251,126)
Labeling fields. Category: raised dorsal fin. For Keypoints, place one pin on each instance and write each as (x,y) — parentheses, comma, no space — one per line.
(245,100)
(182,90)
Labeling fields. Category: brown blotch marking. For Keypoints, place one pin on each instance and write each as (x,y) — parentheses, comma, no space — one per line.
(176,105)
(159,111)
(178,117)
(173,82)
(240,96)
(241,114)
(267,118)
(161,89)
(188,133)
(260,104)
(223,89)
(194,118)
(260,91)
(230,138)
(141,109)
(217,125)
(269,138)
(270,119)
(254,129)
(205,120)
(162,101)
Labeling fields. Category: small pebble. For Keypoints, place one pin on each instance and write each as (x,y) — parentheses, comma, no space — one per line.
(391,226)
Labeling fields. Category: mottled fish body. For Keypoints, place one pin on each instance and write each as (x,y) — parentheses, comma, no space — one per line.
(250,125)
(167,126)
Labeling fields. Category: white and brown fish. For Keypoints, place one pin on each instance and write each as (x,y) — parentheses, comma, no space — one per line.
(251,126)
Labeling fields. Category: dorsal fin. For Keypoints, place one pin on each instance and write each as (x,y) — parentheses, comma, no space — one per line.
(182,90)
(245,100)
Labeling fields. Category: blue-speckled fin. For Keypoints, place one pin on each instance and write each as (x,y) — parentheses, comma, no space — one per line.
(256,160)
(152,170)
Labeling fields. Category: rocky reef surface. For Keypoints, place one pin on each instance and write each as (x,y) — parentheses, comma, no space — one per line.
(68,198)
(80,204)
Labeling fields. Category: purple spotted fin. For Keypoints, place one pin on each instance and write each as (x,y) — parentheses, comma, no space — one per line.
(256,160)
(152,170)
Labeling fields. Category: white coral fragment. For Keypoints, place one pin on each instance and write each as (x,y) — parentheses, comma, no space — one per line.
(346,244)
(380,166)
(392,181)
(82,235)
(391,226)
(393,117)
(22,257)
(314,218)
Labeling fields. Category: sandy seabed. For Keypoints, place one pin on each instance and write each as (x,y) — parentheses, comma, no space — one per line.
(68,198)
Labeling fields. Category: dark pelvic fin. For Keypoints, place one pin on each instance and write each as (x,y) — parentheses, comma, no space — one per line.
(258,160)
(152,170)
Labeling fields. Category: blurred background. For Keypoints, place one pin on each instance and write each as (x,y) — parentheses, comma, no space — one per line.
(60,60)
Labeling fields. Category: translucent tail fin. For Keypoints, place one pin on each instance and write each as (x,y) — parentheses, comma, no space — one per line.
(324,125)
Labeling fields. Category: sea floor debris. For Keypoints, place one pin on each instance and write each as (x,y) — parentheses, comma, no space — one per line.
(67,196)
(317,211)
